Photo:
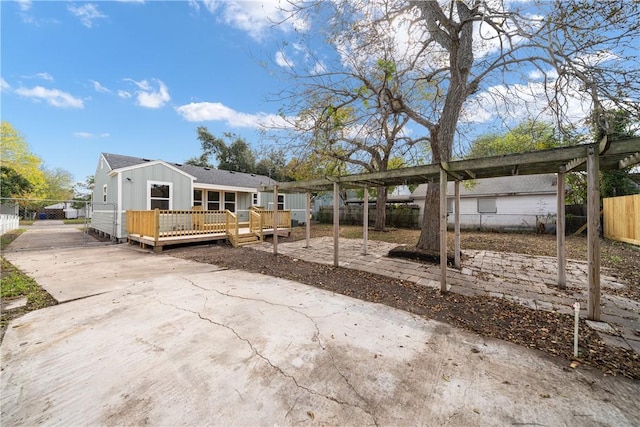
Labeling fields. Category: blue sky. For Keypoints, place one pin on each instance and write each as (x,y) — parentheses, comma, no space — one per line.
(83,78)
(138,77)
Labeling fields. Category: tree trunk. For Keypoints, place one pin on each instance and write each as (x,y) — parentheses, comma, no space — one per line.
(381,208)
(430,232)
(460,47)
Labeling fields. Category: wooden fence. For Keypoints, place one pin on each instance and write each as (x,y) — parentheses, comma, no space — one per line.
(622,218)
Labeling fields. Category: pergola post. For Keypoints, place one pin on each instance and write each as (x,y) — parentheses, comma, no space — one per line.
(560,233)
(336,223)
(456,215)
(308,219)
(275,219)
(593,232)
(443,230)
(365,221)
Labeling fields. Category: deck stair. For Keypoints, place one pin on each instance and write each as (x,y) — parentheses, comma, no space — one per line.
(247,239)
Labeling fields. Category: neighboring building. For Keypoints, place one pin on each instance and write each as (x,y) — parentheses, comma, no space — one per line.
(131,183)
(507,203)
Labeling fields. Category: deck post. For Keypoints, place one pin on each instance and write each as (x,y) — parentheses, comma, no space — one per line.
(308,219)
(560,230)
(456,215)
(593,232)
(365,221)
(275,219)
(336,223)
(443,230)
(156,226)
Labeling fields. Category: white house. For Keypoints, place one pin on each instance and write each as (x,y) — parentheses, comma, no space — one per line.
(131,183)
(506,203)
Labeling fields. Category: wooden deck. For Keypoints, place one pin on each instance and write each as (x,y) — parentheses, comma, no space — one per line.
(159,228)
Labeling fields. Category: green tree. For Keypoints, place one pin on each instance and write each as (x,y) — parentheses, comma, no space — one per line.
(17,156)
(13,184)
(525,137)
(58,184)
(232,152)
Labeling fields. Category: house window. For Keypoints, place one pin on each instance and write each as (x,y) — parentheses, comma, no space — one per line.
(104,193)
(449,205)
(280,202)
(159,195)
(197,197)
(213,200)
(487,205)
(230,201)
(254,199)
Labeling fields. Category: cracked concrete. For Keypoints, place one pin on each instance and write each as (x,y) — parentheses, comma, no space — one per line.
(526,280)
(190,345)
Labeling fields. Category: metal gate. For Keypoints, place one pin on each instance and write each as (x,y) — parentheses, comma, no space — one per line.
(51,224)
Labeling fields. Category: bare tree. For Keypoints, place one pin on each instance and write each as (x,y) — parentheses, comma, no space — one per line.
(458,62)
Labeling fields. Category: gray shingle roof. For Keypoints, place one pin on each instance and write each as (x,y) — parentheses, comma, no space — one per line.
(519,184)
(202,175)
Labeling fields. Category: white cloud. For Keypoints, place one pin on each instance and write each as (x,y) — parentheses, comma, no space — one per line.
(148,96)
(54,97)
(88,135)
(86,13)
(283,61)
(99,88)
(43,76)
(215,111)
(4,86)
(124,94)
(254,18)
(24,5)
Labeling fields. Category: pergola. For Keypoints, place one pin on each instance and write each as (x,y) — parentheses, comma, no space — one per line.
(607,155)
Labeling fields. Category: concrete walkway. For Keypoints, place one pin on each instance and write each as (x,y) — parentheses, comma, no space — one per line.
(527,280)
(52,234)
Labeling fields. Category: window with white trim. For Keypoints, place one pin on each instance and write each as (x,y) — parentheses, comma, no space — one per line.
(197,197)
(280,202)
(449,205)
(254,199)
(487,205)
(213,200)
(230,201)
(104,193)
(159,195)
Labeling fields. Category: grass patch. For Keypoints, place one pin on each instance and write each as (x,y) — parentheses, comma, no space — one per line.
(26,222)
(9,237)
(15,284)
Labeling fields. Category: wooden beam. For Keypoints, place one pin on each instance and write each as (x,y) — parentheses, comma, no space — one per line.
(275,219)
(574,164)
(365,221)
(308,219)
(336,223)
(456,213)
(629,161)
(593,234)
(560,230)
(443,230)
(471,174)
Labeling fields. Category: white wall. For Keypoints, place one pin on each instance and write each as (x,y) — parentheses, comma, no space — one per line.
(516,211)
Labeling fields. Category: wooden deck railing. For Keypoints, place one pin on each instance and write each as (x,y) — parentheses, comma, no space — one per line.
(156,224)
(284,218)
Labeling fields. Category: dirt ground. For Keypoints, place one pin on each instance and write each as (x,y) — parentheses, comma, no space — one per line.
(489,317)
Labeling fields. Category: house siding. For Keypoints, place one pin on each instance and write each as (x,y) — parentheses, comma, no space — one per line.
(135,196)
